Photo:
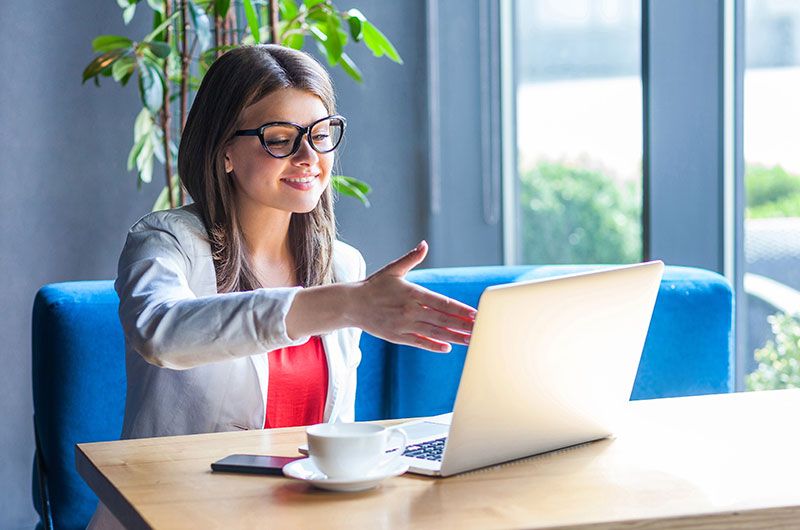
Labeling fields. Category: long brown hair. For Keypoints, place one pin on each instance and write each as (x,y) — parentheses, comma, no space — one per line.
(236,80)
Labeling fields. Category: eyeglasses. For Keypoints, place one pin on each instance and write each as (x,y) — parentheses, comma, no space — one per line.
(281,139)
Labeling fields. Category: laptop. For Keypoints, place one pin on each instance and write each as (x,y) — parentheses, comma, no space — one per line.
(551,364)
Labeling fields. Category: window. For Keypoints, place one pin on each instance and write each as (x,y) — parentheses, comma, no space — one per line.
(579,131)
(772,185)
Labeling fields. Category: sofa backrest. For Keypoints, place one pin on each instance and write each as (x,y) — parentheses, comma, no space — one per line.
(688,351)
(79,363)
(78,387)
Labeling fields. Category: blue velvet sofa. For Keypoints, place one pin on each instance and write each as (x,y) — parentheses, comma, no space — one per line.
(79,371)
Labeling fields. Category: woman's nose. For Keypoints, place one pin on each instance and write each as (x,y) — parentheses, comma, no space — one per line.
(305,155)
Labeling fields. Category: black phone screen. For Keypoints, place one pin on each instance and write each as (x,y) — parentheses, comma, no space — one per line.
(258,464)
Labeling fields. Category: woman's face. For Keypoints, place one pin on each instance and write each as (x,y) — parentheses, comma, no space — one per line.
(293,184)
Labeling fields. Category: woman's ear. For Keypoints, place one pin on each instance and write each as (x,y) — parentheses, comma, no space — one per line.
(228,163)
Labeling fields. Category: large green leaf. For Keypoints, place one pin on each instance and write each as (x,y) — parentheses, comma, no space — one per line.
(288,9)
(221,7)
(144,160)
(317,15)
(106,43)
(162,202)
(350,68)
(157,140)
(378,43)
(123,68)
(158,19)
(142,124)
(126,78)
(127,13)
(355,28)
(159,48)
(292,33)
(101,62)
(311,3)
(202,26)
(295,41)
(352,187)
(151,86)
(134,154)
(334,43)
(252,20)
(317,33)
(156,5)
(141,134)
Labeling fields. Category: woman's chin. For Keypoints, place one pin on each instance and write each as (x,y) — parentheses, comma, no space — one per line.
(306,205)
(305,210)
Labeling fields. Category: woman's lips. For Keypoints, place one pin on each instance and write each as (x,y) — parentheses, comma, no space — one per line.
(300,183)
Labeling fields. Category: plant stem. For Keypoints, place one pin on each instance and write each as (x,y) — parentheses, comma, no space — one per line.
(165,114)
(225,24)
(233,27)
(226,32)
(301,16)
(273,21)
(296,31)
(184,79)
(218,37)
(184,61)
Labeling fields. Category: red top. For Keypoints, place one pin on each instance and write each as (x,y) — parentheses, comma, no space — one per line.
(298,385)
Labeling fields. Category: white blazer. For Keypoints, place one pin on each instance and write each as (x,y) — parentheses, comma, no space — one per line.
(196,360)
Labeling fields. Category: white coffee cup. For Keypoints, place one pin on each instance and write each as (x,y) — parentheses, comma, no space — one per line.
(352,450)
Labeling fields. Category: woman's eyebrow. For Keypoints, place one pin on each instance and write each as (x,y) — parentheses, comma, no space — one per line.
(285,120)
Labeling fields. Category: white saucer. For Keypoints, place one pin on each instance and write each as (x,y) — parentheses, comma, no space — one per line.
(306,470)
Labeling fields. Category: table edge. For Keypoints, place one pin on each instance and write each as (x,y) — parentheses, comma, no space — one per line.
(763,518)
(114,500)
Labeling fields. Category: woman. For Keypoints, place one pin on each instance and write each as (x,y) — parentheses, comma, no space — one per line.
(242,310)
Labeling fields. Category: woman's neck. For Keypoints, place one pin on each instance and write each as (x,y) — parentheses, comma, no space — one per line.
(266,233)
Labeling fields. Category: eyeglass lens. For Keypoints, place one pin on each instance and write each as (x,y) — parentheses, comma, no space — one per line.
(325,136)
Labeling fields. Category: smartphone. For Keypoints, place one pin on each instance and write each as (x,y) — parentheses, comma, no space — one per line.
(257,464)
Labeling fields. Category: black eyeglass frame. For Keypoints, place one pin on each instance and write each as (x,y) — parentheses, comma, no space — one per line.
(302,132)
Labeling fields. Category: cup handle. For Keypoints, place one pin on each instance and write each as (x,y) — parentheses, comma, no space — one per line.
(396,454)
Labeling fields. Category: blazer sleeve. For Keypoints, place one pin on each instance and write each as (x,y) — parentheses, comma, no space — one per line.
(171,327)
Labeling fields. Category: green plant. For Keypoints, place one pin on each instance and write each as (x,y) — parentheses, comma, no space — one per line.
(771,192)
(187,36)
(779,359)
(575,215)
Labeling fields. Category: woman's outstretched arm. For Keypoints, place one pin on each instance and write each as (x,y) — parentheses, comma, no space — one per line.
(385,305)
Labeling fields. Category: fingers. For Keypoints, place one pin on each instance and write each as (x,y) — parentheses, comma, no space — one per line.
(445,305)
(443,320)
(441,334)
(412,339)
(401,266)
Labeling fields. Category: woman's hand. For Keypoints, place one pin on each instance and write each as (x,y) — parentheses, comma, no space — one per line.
(389,307)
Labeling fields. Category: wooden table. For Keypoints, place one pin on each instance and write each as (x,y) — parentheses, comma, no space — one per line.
(720,462)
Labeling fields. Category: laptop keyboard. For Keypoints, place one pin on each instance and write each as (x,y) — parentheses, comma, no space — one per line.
(430,450)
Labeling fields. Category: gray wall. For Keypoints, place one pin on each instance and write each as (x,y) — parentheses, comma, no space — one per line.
(386,136)
(389,142)
(67,199)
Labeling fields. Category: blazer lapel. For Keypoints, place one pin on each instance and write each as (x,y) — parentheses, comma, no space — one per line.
(333,354)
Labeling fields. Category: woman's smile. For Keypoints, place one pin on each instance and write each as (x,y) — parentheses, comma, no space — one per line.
(302,183)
